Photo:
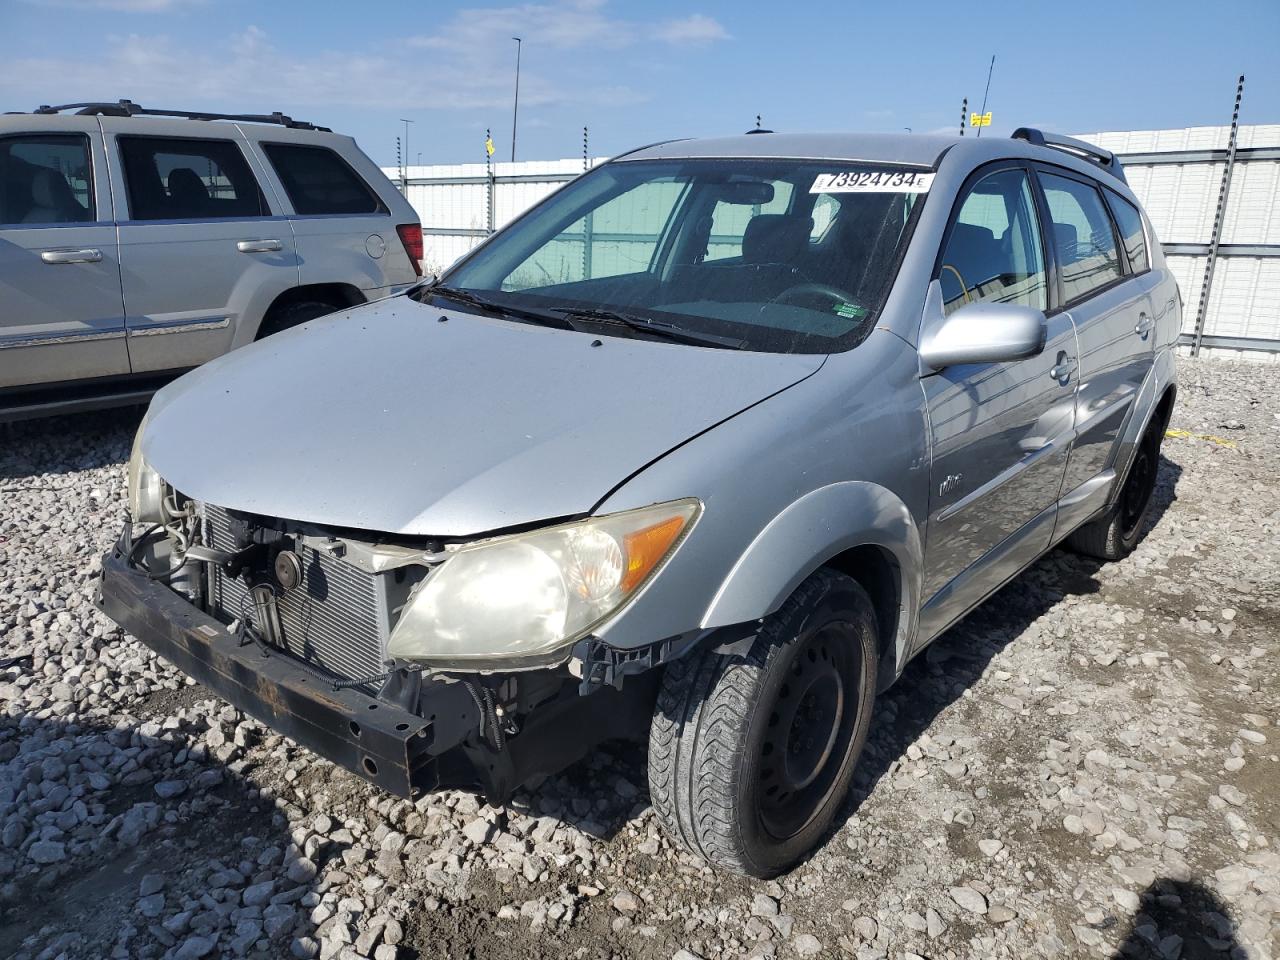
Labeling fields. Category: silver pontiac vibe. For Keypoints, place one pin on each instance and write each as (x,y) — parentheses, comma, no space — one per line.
(703,448)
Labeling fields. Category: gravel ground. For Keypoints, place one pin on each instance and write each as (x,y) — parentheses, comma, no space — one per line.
(1086,767)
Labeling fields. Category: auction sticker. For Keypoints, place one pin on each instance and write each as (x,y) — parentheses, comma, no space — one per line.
(872,181)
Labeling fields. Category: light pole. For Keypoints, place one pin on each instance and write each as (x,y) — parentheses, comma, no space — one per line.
(405,174)
(515,107)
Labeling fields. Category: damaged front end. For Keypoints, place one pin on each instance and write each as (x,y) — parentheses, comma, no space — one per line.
(292,625)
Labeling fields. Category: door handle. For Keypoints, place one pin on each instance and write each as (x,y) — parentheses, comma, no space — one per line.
(1145,323)
(259,246)
(1063,369)
(70,256)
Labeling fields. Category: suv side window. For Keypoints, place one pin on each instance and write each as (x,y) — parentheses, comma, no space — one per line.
(318,181)
(45,178)
(994,252)
(1129,220)
(182,179)
(1082,234)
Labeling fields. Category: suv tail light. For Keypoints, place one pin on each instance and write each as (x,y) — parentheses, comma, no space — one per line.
(411,237)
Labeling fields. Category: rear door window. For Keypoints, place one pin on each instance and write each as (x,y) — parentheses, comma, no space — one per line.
(318,181)
(1129,220)
(45,178)
(189,179)
(1082,234)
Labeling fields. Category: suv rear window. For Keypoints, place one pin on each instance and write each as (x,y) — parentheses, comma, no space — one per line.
(318,181)
(45,179)
(1130,223)
(181,179)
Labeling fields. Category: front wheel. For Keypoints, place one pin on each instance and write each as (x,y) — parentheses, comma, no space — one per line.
(751,756)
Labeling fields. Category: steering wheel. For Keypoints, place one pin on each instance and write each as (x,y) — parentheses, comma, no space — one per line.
(802,291)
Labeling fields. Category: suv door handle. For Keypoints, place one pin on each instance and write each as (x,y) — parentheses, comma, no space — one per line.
(1144,326)
(259,246)
(70,256)
(1063,369)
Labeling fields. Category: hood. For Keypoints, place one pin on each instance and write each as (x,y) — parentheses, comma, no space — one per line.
(386,419)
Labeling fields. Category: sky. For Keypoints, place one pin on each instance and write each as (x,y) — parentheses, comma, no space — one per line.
(636,72)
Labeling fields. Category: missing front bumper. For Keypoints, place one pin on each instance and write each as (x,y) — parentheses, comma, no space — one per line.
(385,744)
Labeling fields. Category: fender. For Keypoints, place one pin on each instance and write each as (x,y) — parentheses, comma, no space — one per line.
(811,531)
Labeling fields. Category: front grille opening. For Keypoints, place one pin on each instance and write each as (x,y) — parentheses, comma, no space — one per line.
(337,619)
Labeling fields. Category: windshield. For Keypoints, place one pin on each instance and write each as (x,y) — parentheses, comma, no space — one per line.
(785,256)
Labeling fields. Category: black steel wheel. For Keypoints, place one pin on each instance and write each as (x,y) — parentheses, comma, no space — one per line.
(750,756)
(809,730)
(1114,535)
(1135,498)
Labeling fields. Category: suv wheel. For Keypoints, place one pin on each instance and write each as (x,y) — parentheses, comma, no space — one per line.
(1114,535)
(751,756)
(293,314)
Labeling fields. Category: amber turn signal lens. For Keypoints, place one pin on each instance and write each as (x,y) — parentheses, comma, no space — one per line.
(646,547)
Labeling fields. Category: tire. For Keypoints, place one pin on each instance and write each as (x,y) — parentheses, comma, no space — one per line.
(751,756)
(292,315)
(1114,535)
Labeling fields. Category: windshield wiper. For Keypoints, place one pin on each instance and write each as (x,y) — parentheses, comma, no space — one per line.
(656,328)
(458,295)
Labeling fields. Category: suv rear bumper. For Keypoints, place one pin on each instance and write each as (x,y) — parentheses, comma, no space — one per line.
(380,741)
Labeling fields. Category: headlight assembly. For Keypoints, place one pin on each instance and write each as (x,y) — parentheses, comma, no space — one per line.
(522,600)
(146,488)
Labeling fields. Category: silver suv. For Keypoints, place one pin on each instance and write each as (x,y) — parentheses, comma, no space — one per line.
(135,244)
(703,448)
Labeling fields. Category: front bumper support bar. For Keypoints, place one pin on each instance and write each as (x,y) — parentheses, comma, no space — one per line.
(380,741)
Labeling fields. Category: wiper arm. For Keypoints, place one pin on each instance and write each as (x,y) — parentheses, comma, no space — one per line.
(458,295)
(655,327)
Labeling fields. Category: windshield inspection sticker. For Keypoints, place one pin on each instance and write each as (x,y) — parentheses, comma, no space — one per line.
(872,181)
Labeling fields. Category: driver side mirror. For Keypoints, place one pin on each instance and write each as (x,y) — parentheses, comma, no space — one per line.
(983,333)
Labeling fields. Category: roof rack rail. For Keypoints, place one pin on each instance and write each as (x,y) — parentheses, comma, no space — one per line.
(127,108)
(1105,159)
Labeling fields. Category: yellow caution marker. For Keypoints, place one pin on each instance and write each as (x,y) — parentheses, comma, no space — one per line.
(1187,435)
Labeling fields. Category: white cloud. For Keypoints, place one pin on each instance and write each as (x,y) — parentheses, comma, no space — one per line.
(695,28)
(563,25)
(155,70)
(125,6)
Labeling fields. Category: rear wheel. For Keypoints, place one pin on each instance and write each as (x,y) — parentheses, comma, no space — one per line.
(751,756)
(1114,535)
(293,314)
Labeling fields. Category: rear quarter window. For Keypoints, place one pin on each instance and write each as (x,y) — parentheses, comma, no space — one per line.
(1129,220)
(319,181)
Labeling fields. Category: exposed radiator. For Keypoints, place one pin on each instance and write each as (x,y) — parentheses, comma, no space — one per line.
(335,619)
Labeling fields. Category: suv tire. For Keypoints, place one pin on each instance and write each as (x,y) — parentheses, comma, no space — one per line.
(293,314)
(751,755)
(1114,535)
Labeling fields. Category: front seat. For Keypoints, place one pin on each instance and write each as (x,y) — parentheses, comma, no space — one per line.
(52,200)
(773,247)
(187,193)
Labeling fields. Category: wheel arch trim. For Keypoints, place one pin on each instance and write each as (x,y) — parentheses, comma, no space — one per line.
(1161,381)
(807,535)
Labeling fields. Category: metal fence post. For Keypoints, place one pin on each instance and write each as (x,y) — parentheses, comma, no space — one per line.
(588,224)
(1224,189)
(488,176)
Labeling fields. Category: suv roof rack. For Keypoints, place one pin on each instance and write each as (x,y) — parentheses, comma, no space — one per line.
(127,108)
(1105,159)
